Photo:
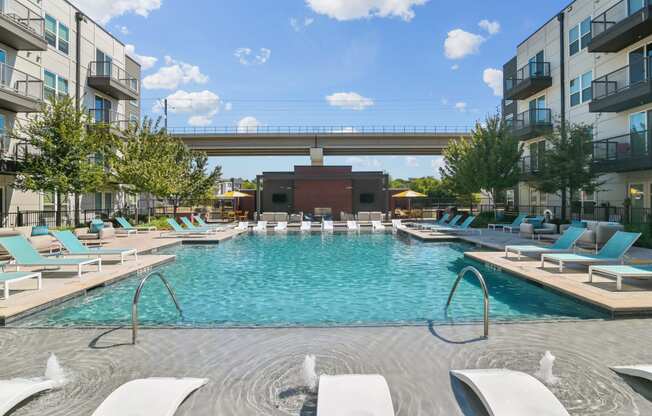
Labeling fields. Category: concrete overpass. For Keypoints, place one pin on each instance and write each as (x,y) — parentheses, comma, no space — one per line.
(318,142)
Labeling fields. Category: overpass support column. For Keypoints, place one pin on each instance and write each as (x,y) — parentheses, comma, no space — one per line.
(317,156)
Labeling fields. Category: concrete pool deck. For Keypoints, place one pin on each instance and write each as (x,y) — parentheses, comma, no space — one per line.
(255,372)
(61,286)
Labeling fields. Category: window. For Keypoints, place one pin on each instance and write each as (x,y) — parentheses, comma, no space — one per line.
(62,86)
(64,38)
(51,30)
(367,198)
(579,36)
(581,90)
(102,111)
(57,34)
(54,85)
(279,198)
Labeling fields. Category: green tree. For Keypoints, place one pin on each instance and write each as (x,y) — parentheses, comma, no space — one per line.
(487,162)
(247,184)
(64,153)
(566,166)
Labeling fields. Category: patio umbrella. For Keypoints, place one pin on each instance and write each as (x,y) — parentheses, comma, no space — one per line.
(409,194)
(234,196)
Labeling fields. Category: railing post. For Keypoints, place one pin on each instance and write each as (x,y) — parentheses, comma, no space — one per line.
(19,217)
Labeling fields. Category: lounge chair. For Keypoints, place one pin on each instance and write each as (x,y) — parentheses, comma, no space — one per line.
(190,226)
(354,395)
(261,226)
(352,226)
(281,226)
(515,224)
(443,219)
(243,226)
(621,272)
(149,397)
(306,225)
(377,226)
(612,252)
(397,224)
(179,231)
(564,244)
(204,224)
(640,371)
(442,224)
(327,225)
(462,228)
(74,247)
(511,393)
(11,277)
(26,255)
(126,225)
(16,391)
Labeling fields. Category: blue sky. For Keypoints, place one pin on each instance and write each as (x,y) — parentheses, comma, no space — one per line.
(323,62)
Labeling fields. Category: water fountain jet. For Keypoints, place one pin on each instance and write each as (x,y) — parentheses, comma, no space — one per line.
(545,369)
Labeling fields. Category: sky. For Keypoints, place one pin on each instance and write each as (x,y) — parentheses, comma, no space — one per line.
(322,63)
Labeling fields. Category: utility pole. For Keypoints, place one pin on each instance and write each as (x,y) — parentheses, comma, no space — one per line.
(165,107)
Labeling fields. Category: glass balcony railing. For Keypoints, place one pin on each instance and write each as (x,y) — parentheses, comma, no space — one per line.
(24,16)
(532,70)
(529,165)
(616,14)
(633,145)
(534,117)
(107,69)
(21,83)
(108,117)
(637,72)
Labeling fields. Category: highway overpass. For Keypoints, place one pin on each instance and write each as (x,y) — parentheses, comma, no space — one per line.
(318,142)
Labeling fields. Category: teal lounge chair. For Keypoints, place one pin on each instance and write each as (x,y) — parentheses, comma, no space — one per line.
(190,226)
(204,224)
(464,227)
(126,225)
(515,224)
(74,247)
(612,252)
(621,272)
(442,220)
(11,277)
(178,231)
(564,244)
(452,223)
(26,255)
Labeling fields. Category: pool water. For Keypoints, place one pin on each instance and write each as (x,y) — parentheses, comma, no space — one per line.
(316,279)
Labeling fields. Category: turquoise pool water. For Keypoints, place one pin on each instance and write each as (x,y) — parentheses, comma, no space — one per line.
(330,279)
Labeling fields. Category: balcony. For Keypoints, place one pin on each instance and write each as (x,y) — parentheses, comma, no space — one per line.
(621,25)
(529,166)
(626,153)
(110,118)
(21,28)
(532,78)
(9,163)
(113,80)
(532,123)
(19,92)
(625,88)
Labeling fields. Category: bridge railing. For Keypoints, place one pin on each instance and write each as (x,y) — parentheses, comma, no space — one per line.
(330,130)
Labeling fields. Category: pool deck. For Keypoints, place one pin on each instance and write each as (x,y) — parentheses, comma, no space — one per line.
(59,286)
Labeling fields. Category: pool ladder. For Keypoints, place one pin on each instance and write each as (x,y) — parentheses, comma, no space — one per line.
(134,305)
(483,284)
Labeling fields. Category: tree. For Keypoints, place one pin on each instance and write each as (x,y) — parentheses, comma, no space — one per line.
(565,166)
(428,185)
(64,153)
(487,162)
(247,184)
(195,183)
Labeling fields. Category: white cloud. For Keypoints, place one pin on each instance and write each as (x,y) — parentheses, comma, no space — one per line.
(411,162)
(246,56)
(298,25)
(437,163)
(460,43)
(201,107)
(174,74)
(365,9)
(461,106)
(105,10)
(248,125)
(124,30)
(492,27)
(494,80)
(455,67)
(228,107)
(146,62)
(349,101)
(364,162)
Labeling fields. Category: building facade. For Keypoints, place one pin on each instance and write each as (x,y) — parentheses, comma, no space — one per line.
(48,48)
(589,64)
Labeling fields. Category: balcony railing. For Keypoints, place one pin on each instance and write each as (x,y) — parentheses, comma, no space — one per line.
(616,14)
(529,165)
(630,151)
(108,117)
(24,16)
(532,78)
(624,88)
(20,83)
(107,69)
(613,30)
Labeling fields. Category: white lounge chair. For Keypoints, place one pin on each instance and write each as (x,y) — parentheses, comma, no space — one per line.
(11,277)
(14,392)
(511,393)
(328,225)
(377,226)
(349,395)
(306,225)
(619,272)
(261,227)
(149,397)
(281,226)
(352,226)
(397,223)
(243,226)
(640,371)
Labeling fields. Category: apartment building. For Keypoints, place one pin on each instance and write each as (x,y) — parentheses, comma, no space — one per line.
(49,47)
(589,64)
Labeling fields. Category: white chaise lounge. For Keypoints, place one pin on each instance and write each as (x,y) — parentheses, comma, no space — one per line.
(352,226)
(511,393)
(640,371)
(14,392)
(306,225)
(327,225)
(261,227)
(281,226)
(149,397)
(349,395)
(377,226)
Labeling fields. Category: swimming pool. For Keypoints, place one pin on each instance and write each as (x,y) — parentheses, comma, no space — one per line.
(315,279)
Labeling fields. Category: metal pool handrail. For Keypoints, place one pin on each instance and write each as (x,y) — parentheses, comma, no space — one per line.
(480,278)
(134,305)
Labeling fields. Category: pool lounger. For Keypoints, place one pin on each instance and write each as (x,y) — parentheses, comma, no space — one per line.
(306,225)
(328,225)
(377,226)
(122,221)
(11,277)
(621,272)
(281,226)
(352,226)
(74,247)
(465,227)
(242,226)
(564,244)
(396,224)
(178,231)
(511,393)
(640,371)
(261,227)
(190,226)
(612,252)
(515,224)
(204,224)
(354,395)
(149,397)
(14,392)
